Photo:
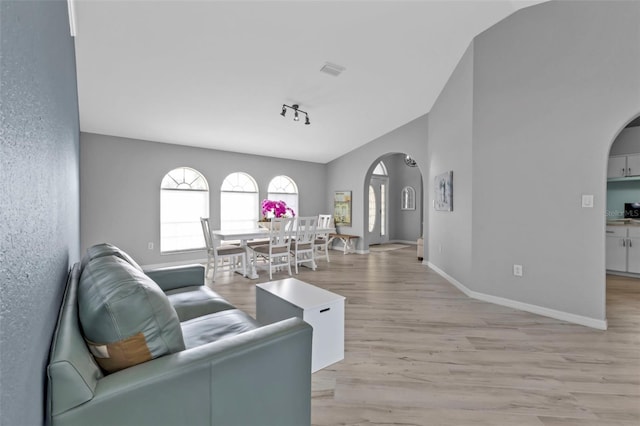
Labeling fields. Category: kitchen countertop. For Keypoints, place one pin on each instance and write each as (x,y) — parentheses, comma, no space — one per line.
(623,222)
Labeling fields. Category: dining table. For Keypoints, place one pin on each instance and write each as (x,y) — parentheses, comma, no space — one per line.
(249,234)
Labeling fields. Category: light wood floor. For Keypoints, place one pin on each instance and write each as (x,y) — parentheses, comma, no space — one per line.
(419,352)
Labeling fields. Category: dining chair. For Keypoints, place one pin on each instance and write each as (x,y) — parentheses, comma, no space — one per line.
(218,253)
(321,241)
(277,252)
(303,243)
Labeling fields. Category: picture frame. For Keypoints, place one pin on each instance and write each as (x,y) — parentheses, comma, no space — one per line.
(342,208)
(443,190)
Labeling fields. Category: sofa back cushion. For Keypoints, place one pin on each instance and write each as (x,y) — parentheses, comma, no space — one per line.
(106,249)
(126,318)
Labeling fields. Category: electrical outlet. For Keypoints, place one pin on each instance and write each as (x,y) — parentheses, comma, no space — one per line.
(517,270)
(150,246)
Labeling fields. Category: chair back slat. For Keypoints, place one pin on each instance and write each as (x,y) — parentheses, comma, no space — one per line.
(280,231)
(306,229)
(206,231)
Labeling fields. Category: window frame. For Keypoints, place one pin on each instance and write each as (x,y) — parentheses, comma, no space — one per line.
(184,185)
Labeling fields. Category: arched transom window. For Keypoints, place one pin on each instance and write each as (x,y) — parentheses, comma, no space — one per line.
(283,188)
(238,202)
(184,199)
(380,169)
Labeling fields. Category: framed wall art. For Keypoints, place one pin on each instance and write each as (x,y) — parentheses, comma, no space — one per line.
(342,208)
(443,190)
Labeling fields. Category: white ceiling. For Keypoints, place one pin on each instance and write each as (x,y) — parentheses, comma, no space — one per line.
(215,74)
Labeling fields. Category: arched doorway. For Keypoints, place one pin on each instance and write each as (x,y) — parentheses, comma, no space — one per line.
(393,206)
(622,240)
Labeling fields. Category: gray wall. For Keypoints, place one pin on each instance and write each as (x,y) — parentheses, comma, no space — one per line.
(404,225)
(39,195)
(627,142)
(351,171)
(120,192)
(553,86)
(450,148)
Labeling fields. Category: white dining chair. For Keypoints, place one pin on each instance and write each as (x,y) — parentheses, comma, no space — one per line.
(302,246)
(277,252)
(321,241)
(236,256)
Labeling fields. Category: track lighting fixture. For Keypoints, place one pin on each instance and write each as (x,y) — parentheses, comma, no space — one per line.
(296,116)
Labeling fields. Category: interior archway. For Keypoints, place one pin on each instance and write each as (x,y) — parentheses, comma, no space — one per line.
(398,224)
(622,240)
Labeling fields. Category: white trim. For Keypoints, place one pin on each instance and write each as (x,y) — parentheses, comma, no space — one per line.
(72,17)
(534,309)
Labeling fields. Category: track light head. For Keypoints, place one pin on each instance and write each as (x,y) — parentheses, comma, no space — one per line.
(284,111)
(307,122)
(295,116)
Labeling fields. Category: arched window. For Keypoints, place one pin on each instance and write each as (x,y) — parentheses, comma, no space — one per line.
(238,202)
(380,169)
(372,208)
(408,198)
(184,199)
(283,188)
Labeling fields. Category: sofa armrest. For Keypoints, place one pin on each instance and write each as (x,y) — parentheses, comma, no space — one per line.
(261,377)
(177,276)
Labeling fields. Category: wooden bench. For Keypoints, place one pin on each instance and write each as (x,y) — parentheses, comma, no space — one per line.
(347,241)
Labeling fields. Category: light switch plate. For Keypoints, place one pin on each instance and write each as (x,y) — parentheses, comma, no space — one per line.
(587,201)
(517,270)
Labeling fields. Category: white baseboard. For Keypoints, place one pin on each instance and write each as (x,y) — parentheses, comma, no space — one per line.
(534,309)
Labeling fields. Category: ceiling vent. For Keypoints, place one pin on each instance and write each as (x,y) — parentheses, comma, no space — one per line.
(332,69)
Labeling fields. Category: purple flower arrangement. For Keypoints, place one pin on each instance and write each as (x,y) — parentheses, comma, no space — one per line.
(272,208)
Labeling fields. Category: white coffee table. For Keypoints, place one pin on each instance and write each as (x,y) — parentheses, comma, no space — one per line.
(322,309)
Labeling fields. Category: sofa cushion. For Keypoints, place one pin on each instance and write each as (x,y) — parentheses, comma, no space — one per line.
(125,316)
(106,249)
(195,301)
(212,327)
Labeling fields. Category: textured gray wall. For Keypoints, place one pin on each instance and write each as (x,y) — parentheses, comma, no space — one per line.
(120,194)
(39,195)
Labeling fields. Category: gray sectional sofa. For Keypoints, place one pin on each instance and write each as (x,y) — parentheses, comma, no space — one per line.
(158,347)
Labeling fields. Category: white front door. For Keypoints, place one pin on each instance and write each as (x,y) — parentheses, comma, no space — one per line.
(378,209)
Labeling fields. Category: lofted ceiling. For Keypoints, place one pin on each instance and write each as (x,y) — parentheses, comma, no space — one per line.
(215,74)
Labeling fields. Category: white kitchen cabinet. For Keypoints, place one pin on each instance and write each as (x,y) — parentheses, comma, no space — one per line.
(616,247)
(633,250)
(633,165)
(623,166)
(623,249)
(617,166)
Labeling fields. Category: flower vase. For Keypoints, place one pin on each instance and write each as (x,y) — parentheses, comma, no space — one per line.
(266,224)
